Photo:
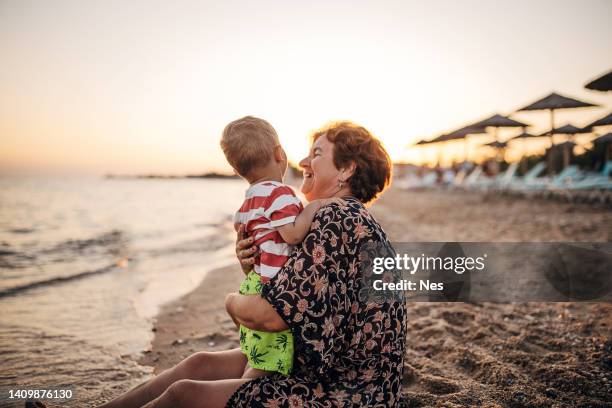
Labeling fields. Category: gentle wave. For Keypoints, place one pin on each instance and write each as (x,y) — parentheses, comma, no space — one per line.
(111,243)
(54,281)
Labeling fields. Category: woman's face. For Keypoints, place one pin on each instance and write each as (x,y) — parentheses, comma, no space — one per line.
(320,174)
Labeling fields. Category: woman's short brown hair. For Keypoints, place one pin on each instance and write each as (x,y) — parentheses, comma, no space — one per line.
(354,144)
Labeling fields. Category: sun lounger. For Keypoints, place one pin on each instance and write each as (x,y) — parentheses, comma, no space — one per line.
(566,176)
(412,182)
(473,177)
(530,178)
(599,180)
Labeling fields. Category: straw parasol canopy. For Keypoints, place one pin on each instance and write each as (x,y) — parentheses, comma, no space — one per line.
(606,120)
(424,142)
(568,129)
(556,101)
(439,139)
(607,138)
(605,142)
(553,102)
(497,145)
(566,147)
(463,133)
(603,83)
(498,121)
(525,135)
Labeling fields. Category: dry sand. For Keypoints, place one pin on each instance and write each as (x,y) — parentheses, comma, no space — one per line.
(458,354)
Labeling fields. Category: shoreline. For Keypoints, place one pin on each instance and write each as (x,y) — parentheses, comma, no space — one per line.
(457,353)
(194,322)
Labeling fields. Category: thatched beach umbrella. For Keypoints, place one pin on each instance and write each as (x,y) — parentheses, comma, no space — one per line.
(498,121)
(499,146)
(606,141)
(424,142)
(522,137)
(603,83)
(607,138)
(569,130)
(554,102)
(438,139)
(525,135)
(463,133)
(605,121)
(566,148)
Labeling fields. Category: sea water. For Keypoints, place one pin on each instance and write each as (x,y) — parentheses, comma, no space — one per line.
(85,265)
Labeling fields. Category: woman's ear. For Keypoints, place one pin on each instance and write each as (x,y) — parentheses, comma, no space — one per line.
(348,171)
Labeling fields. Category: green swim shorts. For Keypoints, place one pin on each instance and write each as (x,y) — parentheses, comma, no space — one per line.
(265,351)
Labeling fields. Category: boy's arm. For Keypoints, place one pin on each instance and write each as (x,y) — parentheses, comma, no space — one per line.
(295,232)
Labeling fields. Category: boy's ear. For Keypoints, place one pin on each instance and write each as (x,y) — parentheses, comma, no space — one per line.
(279,154)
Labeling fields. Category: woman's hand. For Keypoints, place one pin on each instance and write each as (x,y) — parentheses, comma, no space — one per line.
(245,250)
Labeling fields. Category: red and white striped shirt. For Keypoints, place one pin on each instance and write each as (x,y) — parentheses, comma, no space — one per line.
(267,206)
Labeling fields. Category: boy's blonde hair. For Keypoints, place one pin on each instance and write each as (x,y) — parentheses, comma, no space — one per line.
(248,143)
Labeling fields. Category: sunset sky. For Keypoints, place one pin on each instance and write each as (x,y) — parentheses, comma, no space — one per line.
(90,87)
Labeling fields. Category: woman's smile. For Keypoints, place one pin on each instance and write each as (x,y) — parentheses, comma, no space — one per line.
(319,172)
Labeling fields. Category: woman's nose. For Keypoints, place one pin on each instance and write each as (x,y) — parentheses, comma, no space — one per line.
(305,162)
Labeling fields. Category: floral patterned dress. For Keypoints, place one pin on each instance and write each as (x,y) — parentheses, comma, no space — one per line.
(348,351)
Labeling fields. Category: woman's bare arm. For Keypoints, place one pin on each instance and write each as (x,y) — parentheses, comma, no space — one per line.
(254,312)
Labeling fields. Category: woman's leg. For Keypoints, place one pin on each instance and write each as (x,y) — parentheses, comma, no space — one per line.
(197,394)
(202,366)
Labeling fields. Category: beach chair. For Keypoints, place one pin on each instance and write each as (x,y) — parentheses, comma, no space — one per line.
(599,180)
(503,180)
(566,176)
(473,177)
(498,181)
(591,187)
(412,181)
(530,178)
(459,178)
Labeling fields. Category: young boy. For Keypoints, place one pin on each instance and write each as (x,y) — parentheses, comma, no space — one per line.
(276,219)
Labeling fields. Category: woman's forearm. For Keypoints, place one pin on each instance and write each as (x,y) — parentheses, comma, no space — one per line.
(254,312)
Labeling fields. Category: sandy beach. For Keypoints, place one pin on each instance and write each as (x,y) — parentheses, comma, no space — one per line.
(458,354)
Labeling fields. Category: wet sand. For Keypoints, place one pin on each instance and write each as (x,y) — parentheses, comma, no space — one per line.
(458,354)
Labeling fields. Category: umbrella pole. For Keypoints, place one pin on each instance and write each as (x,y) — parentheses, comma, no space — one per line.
(524,156)
(552,127)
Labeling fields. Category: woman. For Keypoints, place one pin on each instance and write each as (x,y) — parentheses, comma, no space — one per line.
(348,350)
